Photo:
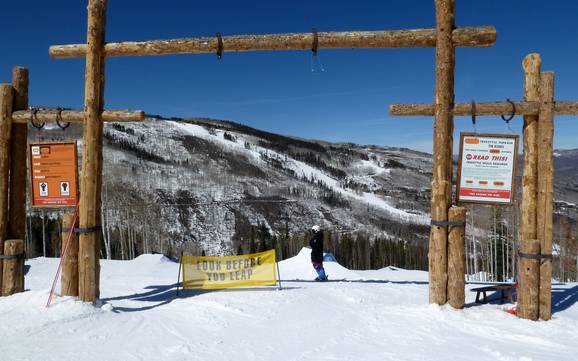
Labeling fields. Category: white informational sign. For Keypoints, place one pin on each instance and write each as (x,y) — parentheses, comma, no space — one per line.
(487,168)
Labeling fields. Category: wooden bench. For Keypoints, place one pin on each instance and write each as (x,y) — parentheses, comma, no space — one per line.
(506,292)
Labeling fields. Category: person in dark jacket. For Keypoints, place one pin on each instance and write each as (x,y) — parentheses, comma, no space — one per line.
(316,244)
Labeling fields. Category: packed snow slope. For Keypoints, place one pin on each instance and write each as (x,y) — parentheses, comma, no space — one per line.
(362,315)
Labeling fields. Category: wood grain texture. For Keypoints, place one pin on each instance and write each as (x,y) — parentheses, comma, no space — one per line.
(13,276)
(76,116)
(89,205)
(546,190)
(529,271)
(485,108)
(457,259)
(442,165)
(18,152)
(5,134)
(418,38)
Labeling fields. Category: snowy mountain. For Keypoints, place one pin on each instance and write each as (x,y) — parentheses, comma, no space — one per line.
(566,176)
(203,185)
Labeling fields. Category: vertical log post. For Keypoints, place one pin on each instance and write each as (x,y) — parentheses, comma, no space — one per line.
(457,258)
(6,92)
(546,190)
(528,298)
(442,162)
(69,278)
(18,151)
(92,152)
(13,277)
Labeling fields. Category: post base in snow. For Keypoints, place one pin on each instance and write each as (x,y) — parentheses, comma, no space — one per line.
(13,274)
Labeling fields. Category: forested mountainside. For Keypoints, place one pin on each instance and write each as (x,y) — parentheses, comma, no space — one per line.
(217,187)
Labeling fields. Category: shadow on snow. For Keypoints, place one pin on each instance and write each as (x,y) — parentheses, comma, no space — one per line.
(360,281)
(563,298)
(160,295)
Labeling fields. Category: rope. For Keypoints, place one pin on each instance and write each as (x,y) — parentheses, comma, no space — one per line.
(507,120)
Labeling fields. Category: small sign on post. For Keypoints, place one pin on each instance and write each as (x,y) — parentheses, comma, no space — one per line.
(53,172)
(487,168)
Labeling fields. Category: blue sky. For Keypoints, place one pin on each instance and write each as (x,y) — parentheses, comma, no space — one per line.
(286,92)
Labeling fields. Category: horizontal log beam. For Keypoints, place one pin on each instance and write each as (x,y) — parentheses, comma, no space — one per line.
(419,38)
(494,108)
(77,116)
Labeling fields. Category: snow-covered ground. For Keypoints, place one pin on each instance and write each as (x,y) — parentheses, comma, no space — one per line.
(362,315)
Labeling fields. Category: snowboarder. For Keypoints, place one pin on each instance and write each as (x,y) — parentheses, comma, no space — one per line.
(316,244)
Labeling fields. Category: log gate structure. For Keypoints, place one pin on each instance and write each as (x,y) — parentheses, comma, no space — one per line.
(538,109)
(14,119)
(445,37)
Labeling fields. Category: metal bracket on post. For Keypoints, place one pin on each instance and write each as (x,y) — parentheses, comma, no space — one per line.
(14,256)
(448,223)
(315,44)
(219,46)
(537,257)
(82,230)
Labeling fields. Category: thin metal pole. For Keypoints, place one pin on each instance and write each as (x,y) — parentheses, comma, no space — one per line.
(466,247)
(28,234)
(179,275)
(278,275)
(503,250)
(507,277)
(43,236)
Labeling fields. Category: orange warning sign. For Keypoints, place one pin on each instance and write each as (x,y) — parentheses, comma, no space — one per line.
(53,169)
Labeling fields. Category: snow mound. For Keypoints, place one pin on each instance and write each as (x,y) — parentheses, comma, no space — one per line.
(395,274)
(299,268)
(153,259)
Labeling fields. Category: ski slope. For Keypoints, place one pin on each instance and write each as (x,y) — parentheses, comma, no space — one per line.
(370,315)
(300,168)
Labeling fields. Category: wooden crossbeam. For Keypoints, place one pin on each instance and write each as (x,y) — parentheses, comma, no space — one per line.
(489,108)
(419,38)
(76,116)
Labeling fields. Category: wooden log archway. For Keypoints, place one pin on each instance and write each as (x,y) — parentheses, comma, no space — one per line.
(445,38)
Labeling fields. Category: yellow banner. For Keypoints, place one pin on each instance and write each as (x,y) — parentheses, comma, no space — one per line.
(257,269)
